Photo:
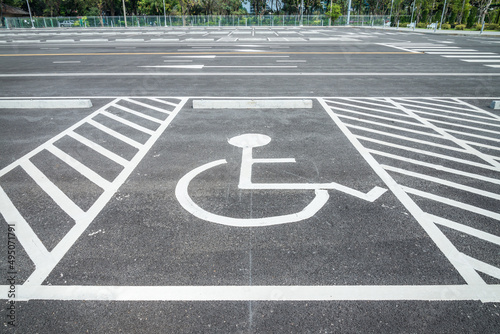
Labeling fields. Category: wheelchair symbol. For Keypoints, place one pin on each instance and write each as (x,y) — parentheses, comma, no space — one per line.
(247,142)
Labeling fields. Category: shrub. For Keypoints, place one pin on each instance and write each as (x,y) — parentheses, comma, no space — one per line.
(446,26)
(460,27)
(421,25)
(477,26)
(491,26)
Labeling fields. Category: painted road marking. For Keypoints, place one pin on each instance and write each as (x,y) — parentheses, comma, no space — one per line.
(420,110)
(449,52)
(252,104)
(313,74)
(382,144)
(45,104)
(44,260)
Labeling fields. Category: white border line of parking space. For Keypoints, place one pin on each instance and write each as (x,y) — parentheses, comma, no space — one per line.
(490,293)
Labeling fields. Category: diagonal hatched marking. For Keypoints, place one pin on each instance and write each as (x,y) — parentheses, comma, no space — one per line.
(413,107)
(45,261)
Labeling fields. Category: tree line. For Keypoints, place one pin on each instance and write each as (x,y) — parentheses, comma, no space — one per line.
(467,12)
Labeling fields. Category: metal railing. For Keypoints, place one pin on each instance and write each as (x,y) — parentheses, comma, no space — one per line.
(191,21)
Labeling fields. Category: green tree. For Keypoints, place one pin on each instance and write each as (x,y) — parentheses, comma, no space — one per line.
(333,12)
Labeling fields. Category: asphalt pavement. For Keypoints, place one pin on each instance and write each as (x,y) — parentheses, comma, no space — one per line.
(249,180)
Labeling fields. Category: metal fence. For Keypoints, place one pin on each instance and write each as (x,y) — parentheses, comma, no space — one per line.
(191,21)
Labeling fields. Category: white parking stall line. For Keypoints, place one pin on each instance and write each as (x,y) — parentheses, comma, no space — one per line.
(278,293)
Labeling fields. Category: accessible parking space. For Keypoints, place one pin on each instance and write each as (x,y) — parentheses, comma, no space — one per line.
(260,199)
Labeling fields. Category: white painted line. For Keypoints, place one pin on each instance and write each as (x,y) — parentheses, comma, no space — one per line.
(466,229)
(459,56)
(202,57)
(164,102)
(484,267)
(257,66)
(415,140)
(312,74)
(129,40)
(45,104)
(384,125)
(437,155)
(115,134)
(24,233)
(494,66)
(358,106)
(466,126)
(60,41)
(465,120)
(481,60)
(461,52)
(252,56)
(418,103)
(178,61)
(162,40)
(127,122)
(137,113)
(79,167)
(436,167)
(25,41)
(252,104)
(194,67)
(94,40)
(63,201)
(67,62)
(99,149)
(450,202)
(443,49)
(443,182)
(446,135)
(363,102)
(291,61)
(148,105)
(279,293)
(483,145)
(473,135)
